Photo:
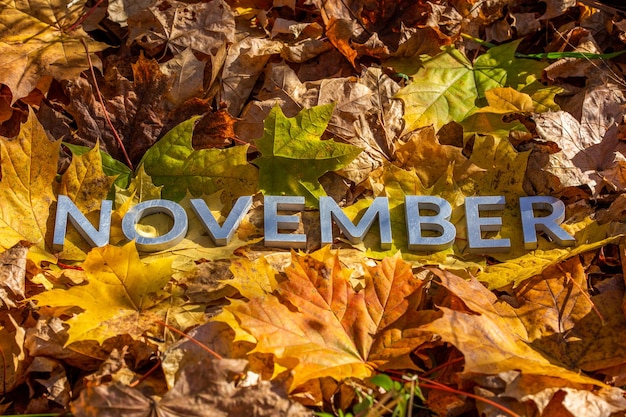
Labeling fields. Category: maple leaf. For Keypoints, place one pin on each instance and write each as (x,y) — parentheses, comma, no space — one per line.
(85,183)
(448,87)
(136,109)
(316,325)
(29,167)
(123,294)
(590,145)
(173,163)
(293,156)
(36,40)
(491,335)
(178,25)
(366,115)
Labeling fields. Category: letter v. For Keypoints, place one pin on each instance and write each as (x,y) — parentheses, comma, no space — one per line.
(222,235)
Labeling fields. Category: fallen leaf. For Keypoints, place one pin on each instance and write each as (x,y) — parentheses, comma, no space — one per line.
(136,109)
(204,389)
(29,167)
(178,26)
(187,74)
(173,163)
(36,41)
(448,87)
(492,337)
(589,145)
(14,355)
(123,295)
(293,156)
(13,275)
(316,325)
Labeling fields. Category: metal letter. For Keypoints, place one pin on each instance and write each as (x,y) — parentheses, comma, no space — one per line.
(67,209)
(476,224)
(273,221)
(158,243)
(439,223)
(329,211)
(222,235)
(548,224)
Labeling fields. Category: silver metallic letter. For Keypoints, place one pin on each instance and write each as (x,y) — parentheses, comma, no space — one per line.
(273,221)
(67,209)
(415,223)
(548,224)
(476,224)
(222,235)
(329,210)
(154,244)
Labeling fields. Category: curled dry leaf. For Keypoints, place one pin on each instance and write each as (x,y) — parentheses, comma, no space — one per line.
(589,142)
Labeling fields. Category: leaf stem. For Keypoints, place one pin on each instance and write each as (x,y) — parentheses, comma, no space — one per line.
(104,109)
(439,386)
(191,339)
(85,16)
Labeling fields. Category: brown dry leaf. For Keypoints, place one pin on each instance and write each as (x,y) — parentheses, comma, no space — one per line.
(187,73)
(136,109)
(36,41)
(214,130)
(339,32)
(203,27)
(316,325)
(243,65)
(13,354)
(13,275)
(588,139)
(205,388)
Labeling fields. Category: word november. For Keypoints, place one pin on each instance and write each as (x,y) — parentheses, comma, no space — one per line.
(423,213)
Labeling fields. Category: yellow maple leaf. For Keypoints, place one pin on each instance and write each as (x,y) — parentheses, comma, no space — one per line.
(29,167)
(86,184)
(35,40)
(123,294)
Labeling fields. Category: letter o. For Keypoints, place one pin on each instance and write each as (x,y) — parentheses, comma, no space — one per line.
(158,243)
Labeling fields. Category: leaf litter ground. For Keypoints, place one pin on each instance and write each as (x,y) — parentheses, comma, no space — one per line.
(354,100)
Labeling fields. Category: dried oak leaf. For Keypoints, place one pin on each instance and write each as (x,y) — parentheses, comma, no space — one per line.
(316,325)
(136,108)
(36,40)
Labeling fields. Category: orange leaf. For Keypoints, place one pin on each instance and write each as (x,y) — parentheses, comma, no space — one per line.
(317,325)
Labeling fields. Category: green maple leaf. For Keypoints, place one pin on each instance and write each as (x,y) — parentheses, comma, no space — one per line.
(173,163)
(448,87)
(293,156)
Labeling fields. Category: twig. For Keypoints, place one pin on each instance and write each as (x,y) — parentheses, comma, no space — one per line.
(104,109)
